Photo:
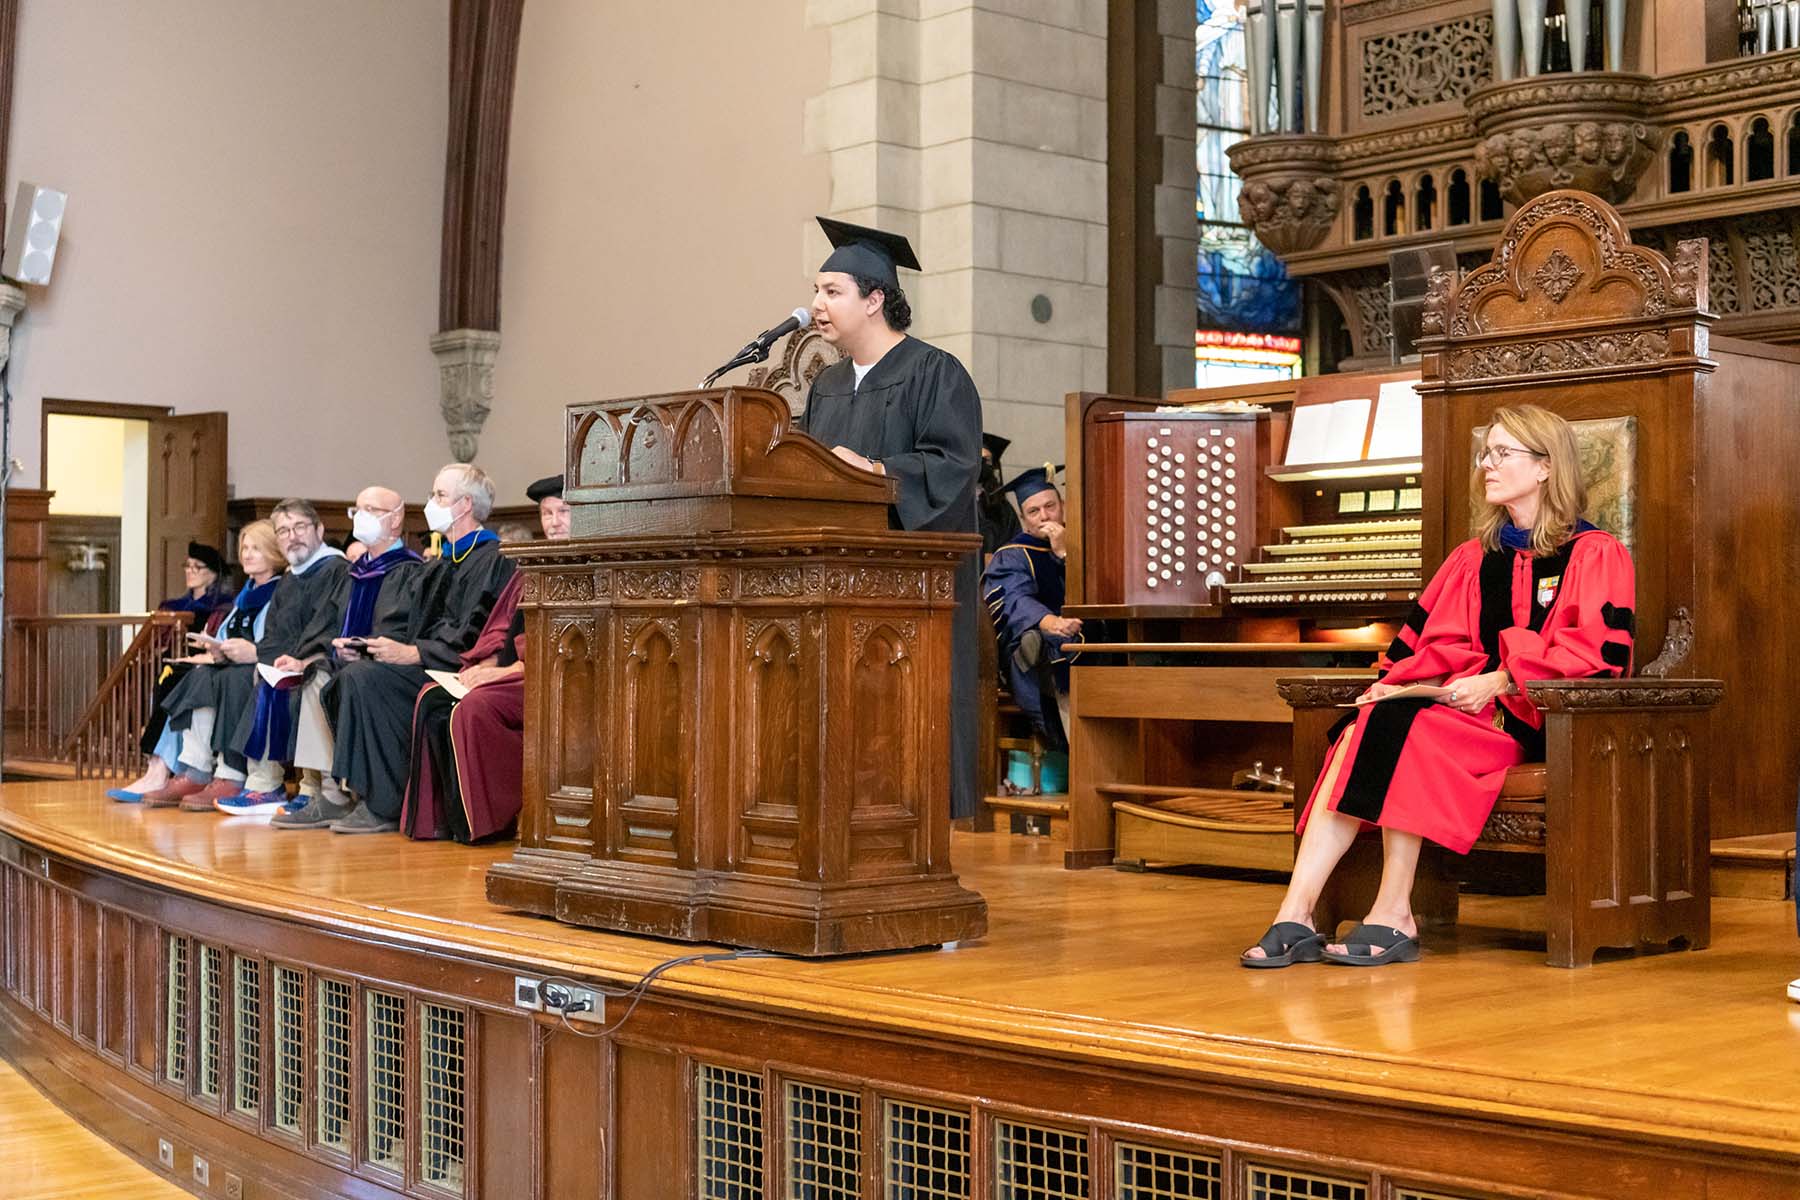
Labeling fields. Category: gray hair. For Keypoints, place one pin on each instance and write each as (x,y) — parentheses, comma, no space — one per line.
(474,483)
(296,508)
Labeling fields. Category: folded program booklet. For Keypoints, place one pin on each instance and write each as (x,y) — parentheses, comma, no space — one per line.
(1416,691)
(450,683)
(280,679)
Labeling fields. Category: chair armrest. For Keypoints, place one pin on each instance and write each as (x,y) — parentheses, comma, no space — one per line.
(1322,691)
(1624,695)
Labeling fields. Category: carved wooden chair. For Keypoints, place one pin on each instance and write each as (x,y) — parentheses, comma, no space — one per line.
(1618,810)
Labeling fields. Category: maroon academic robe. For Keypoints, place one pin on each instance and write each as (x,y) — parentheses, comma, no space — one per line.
(1426,768)
(468,755)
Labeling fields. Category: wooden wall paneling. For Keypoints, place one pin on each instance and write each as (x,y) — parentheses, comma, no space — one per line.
(144,1004)
(1134,168)
(652,1106)
(505,1109)
(114,999)
(577,1099)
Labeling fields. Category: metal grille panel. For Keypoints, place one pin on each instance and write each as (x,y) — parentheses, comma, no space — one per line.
(290,1049)
(1273,1183)
(1407,1193)
(731,1134)
(927,1152)
(824,1143)
(212,1008)
(246,1046)
(175,1010)
(443,1067)
(385,1062)
(1155,1173)
(332,1039)
(1033,1162)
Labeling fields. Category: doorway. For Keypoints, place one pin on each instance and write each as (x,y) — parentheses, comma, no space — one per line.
(133,484)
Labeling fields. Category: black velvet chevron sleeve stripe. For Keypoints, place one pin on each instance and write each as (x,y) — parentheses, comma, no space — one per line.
(1622,619)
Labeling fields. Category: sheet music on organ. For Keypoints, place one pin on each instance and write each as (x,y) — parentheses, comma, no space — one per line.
(1321,433)
(1399,426)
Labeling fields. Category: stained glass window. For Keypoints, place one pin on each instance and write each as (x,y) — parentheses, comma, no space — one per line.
(1247,318)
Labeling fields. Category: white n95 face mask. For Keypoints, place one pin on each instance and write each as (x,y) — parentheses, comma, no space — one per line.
(438,518)
(366,527)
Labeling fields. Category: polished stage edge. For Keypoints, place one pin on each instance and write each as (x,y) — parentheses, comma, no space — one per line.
(1696,1048)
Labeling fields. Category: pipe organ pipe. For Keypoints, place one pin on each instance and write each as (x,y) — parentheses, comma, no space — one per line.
(1531,35)
(1287,42)
(1315,60)
(1506,38)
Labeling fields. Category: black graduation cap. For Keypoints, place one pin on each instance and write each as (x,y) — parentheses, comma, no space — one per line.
(207,556)
(869,253)
(1027,484)
(549,485)
(995,445)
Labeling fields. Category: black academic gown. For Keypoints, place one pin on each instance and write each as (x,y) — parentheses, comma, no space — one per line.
(230,688)
(917,414)
(301,624)
(1024,583)
(370,704)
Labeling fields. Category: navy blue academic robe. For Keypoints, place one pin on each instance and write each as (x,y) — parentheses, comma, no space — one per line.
(1022,585)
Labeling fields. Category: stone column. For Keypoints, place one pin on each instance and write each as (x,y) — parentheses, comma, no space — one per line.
(978,128)
(12,303)
(466,377)
(1177,229)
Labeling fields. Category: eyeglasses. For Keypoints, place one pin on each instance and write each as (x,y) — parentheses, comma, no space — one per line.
(292,531)
(377,512)
(1497,455)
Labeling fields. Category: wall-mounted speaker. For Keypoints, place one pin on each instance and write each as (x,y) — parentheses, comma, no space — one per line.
(37,216)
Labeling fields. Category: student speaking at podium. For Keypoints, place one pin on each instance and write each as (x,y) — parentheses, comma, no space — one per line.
(900,407)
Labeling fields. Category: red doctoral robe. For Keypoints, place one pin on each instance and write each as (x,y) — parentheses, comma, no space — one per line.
(1426,768)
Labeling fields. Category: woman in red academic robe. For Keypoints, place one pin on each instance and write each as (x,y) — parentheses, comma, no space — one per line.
(1536,594)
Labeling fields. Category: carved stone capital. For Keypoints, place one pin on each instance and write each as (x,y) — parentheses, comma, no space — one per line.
(466,379)
(1590,131)
(1289,195)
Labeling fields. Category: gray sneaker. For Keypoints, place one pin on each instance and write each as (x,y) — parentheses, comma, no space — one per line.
(361,820)
(318,813)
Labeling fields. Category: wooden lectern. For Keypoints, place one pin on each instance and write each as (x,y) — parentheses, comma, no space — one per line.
(736,723)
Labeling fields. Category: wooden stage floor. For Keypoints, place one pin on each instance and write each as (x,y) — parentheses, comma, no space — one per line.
(1100,965)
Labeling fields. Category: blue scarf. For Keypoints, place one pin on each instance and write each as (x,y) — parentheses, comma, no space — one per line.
(463,546)
(251,601)
(1514,538)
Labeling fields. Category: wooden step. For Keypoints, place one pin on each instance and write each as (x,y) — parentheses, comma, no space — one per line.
(37,768)
(1758,866)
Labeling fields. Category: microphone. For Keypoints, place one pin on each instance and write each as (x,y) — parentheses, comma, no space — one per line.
(757,349)
(800,318)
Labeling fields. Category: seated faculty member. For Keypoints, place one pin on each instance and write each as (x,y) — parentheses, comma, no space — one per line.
(380,592)
(221,684)
(897,406)
(1023,586)
(468,755)
(370,703)
(1537,593)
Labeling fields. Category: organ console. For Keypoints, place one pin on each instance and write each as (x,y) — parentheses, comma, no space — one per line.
(1226,537)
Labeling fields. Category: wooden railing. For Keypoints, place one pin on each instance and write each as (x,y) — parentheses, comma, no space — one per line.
(79,687)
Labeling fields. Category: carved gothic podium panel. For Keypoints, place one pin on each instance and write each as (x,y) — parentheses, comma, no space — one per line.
(736,728)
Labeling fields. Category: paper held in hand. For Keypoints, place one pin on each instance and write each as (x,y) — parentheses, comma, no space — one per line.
(281,680)
(1416,691)
(450,683)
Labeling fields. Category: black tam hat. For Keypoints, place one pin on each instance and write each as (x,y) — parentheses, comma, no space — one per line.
(867,253)
(995,445)
(1027,484)
(549,485)
(206,556)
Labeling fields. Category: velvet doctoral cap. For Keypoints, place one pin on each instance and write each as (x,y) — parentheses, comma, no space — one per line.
(208,557)
(549,485)
(867,253)
(1027,484)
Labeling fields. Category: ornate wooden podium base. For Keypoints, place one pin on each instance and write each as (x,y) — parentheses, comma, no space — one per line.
(736,720)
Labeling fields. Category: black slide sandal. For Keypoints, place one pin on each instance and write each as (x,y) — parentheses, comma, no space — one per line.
(1359,942)
(1286,943)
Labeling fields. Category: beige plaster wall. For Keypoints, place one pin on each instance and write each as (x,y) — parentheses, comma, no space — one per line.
(255,196)
(656,201)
